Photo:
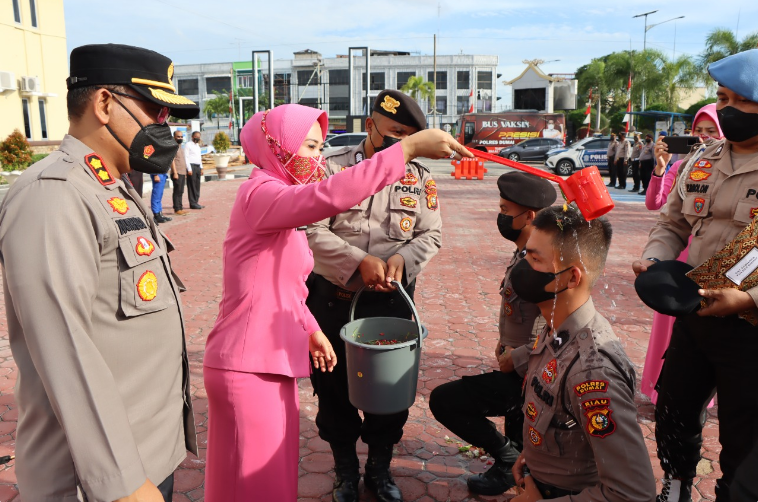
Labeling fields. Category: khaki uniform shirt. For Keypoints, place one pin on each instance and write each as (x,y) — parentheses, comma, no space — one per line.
(647,151)
(720,201)
(612,150)
(180,163)
(520,321)
(623,150)
(580,425)
(403,218)
(95,327)
(636,151)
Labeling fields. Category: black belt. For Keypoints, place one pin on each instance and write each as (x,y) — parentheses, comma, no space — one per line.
(552,492)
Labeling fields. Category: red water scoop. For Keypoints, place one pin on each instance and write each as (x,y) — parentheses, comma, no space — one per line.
(585,187)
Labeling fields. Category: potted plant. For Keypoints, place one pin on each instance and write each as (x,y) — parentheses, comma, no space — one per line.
(15,155)
(221,158)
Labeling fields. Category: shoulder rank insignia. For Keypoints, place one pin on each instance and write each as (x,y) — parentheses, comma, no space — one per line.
(144,247)
(358,158)
(390,104)
(147,286)
(430,187)
(409,202)
(599,421)
(410,179)
(118,205)
(95,162)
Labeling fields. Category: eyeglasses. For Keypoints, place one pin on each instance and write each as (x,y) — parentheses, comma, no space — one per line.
(163,113)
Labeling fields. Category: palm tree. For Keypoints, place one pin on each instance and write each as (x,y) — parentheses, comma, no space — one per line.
(721,43)
(417,88)
(218,106)
(680,74)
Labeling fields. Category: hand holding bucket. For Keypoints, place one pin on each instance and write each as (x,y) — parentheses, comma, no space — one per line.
(585,187)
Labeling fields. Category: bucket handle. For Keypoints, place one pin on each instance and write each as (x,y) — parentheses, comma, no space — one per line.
(405,297)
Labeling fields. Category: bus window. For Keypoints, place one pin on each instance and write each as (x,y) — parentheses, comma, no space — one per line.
(468,132)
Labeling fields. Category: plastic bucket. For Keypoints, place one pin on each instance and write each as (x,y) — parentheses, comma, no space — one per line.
(588,190)
(382,379)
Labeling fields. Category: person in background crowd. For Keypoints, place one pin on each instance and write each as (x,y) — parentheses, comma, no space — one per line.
(623,155)
(194,170)
(612,161)
(156,204)
(636,151)
(647,163)
(179,175)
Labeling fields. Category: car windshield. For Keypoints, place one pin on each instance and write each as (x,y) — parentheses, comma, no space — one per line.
(580,143)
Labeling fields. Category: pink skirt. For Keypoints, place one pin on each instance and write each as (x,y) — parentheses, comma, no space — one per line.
(253,437)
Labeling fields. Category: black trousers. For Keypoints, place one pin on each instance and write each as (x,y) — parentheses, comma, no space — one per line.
(167,488)
(193,185)
(707,355)
(178,193)
(621,168)
(612,171)
(646,171)
(338,421)
(464,405)
(744,487)
(636,174)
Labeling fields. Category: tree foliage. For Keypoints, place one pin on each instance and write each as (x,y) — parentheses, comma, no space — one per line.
(15,152)
(417,88)
(720,43)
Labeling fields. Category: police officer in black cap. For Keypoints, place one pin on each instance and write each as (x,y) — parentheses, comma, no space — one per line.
(464,405)
(394,234)
(93,307)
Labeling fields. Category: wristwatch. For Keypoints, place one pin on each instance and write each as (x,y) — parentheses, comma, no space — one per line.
(656,260)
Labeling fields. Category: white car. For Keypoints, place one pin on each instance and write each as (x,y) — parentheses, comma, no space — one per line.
(342,140)
(584,153)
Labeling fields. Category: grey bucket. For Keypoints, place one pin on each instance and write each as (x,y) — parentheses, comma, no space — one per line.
(382,378)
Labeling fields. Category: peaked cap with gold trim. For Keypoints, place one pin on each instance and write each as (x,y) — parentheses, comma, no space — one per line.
(143,70)
(401,108)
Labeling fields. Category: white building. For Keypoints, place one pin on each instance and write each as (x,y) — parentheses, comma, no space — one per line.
(535,90)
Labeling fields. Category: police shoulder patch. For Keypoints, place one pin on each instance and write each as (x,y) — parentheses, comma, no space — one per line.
(96,164)
(600,422)
(591,386)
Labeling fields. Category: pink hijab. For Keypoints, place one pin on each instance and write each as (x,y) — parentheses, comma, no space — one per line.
(708,112)
(287,124)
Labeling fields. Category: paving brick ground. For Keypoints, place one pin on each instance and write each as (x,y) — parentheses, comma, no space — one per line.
(458,300)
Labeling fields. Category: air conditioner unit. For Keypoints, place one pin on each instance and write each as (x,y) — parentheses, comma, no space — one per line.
(7,81)
(30,84)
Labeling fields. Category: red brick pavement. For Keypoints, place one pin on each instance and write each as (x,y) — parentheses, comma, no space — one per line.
(458,301)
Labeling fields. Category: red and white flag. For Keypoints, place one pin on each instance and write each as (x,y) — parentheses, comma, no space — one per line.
(589,109)
(471,101)
(628,116)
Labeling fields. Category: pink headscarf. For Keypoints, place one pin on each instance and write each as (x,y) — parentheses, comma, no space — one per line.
(288,124)
(708,112)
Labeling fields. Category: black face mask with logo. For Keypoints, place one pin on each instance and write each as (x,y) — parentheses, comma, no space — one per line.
(738,126)
(153,148)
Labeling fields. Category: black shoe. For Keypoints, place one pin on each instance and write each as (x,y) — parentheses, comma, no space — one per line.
(610,185)
(196,206)
(643,192)
(675,490)
(635,189)
(499,478)
(346,473)
(159,218)
(378,479)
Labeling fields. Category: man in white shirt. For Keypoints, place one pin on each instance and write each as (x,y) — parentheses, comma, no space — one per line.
(194,162)
(551,132)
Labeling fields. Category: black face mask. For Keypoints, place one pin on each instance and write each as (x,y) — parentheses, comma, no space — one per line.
(387,141)
(153,148)
(648,141)
(529,284)
(738,126)
(505,225)
(196,140)
(179,140)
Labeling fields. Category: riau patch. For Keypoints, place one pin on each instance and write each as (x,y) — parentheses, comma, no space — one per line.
(432,202)
(699,175)
(409,179)
(118,205)
(144,247)
(699,204)
(704,164)
(95,162)
(430,187)
(508,309)
(600,424)
(531,412)
(591,386)
(405,224)
(535,436)
(409,202)
(390,104)
(148,151)
(147,286)
(549,372)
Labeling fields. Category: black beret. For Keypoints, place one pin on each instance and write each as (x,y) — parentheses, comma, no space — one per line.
(145,71)
(526,190)
(665,288)
(401,108)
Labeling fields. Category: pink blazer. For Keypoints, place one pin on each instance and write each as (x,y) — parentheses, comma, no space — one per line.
(263,324)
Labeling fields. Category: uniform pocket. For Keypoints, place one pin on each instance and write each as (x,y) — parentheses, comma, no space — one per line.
(696,205)
(349,221)
(404,209)
(537,427)
(745,212)
(143,282)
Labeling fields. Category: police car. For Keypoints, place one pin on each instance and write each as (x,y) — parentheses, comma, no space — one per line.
(583,153)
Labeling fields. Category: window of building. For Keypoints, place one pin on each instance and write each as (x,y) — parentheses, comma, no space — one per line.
(282,88)
(484,80)
(33,10)
(441,79)
(43,117)
(187,87)
(312,102)
(462,105)
(377,81)
(463,81)
(217,84)
(338,104)
(244,81)
(16,11)
(339,77)
(403,77)
(27,118)
(529,99)
(441,104)
(307,77)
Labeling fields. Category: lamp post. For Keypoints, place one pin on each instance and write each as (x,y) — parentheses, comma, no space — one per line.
(648,27)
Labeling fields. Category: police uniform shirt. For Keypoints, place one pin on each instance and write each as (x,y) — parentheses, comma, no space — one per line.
(712,220)
(612,149)
(580,425)
(95,327)
(403,218)
(623,150)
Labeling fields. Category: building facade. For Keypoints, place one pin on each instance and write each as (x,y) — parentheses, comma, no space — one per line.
(33,70)
(312,80)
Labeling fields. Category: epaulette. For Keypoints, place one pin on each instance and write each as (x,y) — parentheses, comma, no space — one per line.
(594,352)
(421,165)
(56,166)
(341,151)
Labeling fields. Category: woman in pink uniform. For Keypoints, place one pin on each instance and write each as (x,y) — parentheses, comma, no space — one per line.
(264,331)
(705,125)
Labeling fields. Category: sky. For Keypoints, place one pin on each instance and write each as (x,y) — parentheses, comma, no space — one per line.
(565,34)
